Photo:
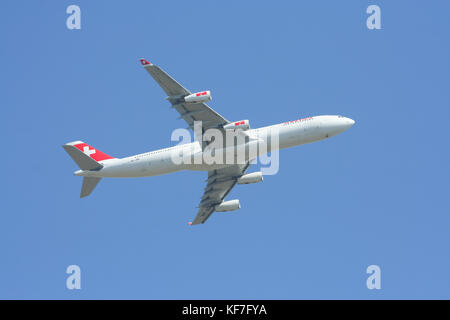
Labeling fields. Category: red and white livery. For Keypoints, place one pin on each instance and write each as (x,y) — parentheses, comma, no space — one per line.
(95,164)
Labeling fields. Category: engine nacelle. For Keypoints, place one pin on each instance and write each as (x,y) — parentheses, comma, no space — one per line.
(253,177)
(197,97)
(238,125)
(230,205)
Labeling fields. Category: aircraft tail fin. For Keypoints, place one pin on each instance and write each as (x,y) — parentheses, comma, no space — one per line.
(89,184)
(85,156)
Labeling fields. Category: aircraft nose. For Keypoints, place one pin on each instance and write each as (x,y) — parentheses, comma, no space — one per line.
(333,125)
(350,122)
(339,124)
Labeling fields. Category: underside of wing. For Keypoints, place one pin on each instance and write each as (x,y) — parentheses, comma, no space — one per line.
(176,93)
(220,183)
(192,108)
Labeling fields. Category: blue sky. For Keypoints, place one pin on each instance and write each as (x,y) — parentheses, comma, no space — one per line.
(376,194)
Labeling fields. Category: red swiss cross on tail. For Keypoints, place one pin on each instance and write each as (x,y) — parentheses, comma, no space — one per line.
(89,160)
(95,154)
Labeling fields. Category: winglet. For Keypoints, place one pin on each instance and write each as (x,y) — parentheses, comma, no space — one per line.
(145,62)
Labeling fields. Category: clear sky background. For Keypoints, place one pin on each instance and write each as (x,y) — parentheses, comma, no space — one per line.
(376,194)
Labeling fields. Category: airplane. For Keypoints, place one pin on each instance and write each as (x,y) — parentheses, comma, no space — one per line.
(222,176)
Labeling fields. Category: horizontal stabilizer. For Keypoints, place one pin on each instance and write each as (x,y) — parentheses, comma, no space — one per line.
(89,184)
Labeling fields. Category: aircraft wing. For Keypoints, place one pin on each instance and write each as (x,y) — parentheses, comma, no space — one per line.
(190,112)
(220,183)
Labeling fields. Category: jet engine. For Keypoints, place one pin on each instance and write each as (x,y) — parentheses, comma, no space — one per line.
(230,205)
(248,178)
(198,97)
(241,125)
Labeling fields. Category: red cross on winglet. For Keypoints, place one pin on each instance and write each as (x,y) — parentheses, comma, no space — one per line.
(145,62)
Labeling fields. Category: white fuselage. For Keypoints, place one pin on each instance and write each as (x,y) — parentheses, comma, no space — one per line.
(158,162)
